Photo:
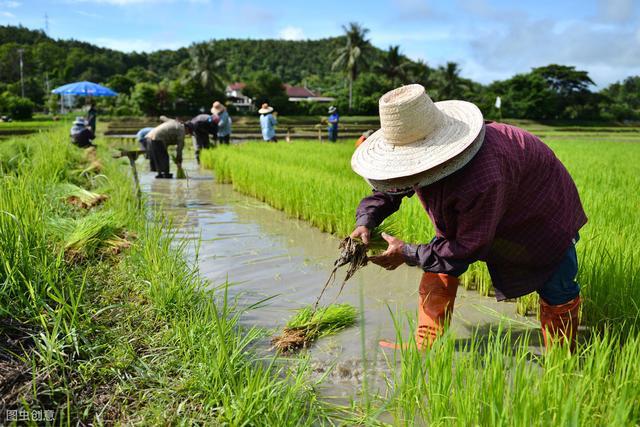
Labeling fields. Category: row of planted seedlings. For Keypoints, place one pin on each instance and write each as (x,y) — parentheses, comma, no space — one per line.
(102,320)
(314,182)
(489,379)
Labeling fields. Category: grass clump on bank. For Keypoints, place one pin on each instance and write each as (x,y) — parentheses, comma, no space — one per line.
(131,338)
(310,324)
(314,182)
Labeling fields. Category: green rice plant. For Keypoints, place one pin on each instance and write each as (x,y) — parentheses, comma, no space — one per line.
(310,324)
(77,196)
(96,234)
(314,182)
(493,379)
(138,339)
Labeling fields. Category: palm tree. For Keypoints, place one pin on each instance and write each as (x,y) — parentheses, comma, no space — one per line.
(205,67)
(394,66)
(353,57)
(419,72)
(452,86)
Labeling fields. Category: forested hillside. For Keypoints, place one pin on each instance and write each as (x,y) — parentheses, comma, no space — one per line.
(347,67)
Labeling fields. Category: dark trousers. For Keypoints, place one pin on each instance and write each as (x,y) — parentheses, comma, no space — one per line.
(159,156)
(224,139)
(200,142)
(333,134)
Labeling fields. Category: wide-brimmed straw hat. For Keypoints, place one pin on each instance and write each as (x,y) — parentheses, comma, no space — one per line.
(420,142)
(79,121)
(265,109)
(217,108)
(332,109)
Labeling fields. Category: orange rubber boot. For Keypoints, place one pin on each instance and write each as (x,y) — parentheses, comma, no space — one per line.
(560,322)
(437,295)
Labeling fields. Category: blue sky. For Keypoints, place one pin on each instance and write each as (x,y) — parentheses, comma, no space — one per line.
(490,39)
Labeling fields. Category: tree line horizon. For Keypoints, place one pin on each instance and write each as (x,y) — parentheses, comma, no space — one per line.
(347,67)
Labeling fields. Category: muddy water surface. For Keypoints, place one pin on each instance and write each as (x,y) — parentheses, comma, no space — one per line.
(263,253)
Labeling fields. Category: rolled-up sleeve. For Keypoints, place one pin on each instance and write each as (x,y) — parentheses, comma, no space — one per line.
(476,223)
(373,209)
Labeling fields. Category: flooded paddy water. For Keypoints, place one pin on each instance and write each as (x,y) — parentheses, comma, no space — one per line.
(263,254)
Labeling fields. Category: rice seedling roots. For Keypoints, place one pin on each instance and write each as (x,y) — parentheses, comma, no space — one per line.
(352,252)
(291,340)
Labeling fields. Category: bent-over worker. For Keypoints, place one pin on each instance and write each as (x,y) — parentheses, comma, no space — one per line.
(493,192)
(201,127)
(141,137)
(81,135)
(171,132)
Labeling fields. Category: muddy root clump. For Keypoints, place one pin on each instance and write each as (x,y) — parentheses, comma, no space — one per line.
(291,340)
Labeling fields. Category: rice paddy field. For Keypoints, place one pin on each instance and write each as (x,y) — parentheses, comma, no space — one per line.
(104,321)
(314,182)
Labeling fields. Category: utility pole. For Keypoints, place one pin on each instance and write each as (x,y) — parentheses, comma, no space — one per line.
(46,23)
(20,52)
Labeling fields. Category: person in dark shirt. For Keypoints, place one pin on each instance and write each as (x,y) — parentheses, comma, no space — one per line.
(494,193)
(81,135)
(92,116)
(333,120)
(201,127)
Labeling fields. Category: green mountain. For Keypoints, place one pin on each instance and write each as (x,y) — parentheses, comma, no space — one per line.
(54,62)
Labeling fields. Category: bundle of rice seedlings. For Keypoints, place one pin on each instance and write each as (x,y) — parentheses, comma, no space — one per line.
(95,235)
(180,174)
(309,324)
(78,196)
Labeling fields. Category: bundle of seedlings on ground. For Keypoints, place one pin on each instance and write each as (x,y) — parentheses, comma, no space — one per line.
(99,234)
(309,324)
(78,196)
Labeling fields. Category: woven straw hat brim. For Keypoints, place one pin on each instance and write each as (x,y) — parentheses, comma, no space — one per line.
(215,110)
(265,110)
(422,179)
(375,159)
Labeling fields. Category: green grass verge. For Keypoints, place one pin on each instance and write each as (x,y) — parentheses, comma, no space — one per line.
(128,338)
(315,182)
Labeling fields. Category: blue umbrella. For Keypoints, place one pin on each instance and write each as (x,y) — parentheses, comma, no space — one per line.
(84,89)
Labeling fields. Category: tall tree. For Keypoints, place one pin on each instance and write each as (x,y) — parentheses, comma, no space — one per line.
(354,56)
(451,85)
(394,66)
(205,67)
(419,72)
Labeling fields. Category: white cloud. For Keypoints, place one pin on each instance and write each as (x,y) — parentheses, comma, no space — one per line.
(138,45)
(132,2)
(608,52)
(413,9)
(7,15)
(616,10)
(87,14)
(291,33)
(9,4)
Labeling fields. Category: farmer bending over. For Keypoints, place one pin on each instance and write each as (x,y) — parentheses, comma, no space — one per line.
(202,126)
(171,132)
(493,192)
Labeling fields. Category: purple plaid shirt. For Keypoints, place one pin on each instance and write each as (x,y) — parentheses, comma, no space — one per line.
(514,206)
